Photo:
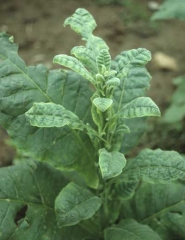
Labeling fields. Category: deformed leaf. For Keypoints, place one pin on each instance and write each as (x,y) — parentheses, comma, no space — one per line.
(139,107)
(86,56)
(155,166)
(111,163)
(134,57)
(96,44)
(130,230)
(103,59)
(75,203)
(102,103)
(73,64)
(53,115)
(113,82)
(81,22)
(27,196)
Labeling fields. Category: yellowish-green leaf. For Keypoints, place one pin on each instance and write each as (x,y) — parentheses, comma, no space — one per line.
(102,103)
(111,163)
(53,115)
(139,107)
(74,64)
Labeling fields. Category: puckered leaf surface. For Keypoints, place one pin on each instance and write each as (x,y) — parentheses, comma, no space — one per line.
(53,115)
(130,229)
(21,87)
(111,163)
(132,86)
(74,203)
(81,22)
(139,107)
(155,166)
(27,196)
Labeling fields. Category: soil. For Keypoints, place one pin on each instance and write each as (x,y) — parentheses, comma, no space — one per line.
(38,28)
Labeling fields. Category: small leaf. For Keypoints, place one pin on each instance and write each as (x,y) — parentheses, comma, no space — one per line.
(75,203)
(130,230)
(52,115)
(81,22)
(73,64)
(134,57)
(96,44)
(86,56)
(155,166)
(139,107)
(111,163)
(102,103)
(113,82)
(103,59)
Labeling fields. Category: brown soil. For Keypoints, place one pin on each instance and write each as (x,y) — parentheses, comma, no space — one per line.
(38,28)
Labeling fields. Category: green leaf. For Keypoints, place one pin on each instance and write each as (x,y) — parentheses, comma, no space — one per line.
(132,86)
(111,163)
(139,107)
(53,115)
(81,22)
(170,9)
(103,59)
(102,103)
(155,166)
(130,229)
(27,196)
(73,64)
(21,87)
(75,203)
(113,82)
(160,206)
(134,57)
(124,190)
(96,44)
(86,56)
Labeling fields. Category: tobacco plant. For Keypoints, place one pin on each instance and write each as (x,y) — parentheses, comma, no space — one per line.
(77,126)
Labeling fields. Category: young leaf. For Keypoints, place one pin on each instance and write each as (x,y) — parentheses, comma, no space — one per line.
(139,107)
(103,59)
(155,166)
(53,115)
(75,203)
(21,87)
(134,57)
(134,85)
(111,163)
(102,103)
(27,196)
(73,64)
(81,22)
(130,229)
(86,56)
(96,44)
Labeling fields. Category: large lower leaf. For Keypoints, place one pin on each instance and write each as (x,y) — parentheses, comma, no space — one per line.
(130,229)
(21,87)
(27,196)
(155,166)
(160,206)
